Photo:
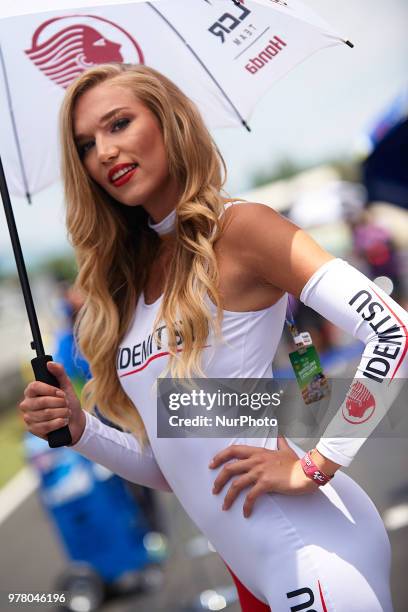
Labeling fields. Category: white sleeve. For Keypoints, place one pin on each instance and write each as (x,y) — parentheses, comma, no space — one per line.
(347,298)
(121,453)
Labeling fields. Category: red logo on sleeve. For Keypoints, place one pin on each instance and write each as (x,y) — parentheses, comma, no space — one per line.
(359,405)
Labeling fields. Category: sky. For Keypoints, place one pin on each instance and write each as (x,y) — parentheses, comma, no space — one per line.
(318,111)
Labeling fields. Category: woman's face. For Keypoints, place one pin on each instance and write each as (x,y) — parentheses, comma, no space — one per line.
(121,146)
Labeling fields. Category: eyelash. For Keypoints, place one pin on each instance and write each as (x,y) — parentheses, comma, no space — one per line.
(121,124)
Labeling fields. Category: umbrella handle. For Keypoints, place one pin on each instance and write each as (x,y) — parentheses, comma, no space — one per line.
(62,436)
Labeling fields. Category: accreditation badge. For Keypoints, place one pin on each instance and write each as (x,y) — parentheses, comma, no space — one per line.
(313,383)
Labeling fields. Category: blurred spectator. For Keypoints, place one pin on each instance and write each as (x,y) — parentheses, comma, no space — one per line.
(373,246)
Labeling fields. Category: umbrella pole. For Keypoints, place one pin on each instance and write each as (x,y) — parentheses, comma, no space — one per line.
(62,436)
(13,123)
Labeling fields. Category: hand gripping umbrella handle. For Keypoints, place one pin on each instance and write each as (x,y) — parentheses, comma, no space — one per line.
(59,437)
(62,436)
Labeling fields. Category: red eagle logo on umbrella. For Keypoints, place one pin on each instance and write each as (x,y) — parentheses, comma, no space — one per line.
(360,404)
(64,47)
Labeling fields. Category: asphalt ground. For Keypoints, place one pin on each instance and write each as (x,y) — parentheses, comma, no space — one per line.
(31,557)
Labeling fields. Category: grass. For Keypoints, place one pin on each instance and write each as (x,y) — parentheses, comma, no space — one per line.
(11,445)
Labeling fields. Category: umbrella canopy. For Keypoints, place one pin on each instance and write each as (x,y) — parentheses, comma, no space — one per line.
(224,54)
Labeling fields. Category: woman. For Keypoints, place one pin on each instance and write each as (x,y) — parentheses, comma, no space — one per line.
(175,276)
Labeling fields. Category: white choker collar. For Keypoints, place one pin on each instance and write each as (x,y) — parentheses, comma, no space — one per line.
(165,226)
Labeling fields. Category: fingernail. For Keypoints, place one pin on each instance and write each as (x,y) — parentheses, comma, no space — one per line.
(214,490)
(211,464)
(60,393)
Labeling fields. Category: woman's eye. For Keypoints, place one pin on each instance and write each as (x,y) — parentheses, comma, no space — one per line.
(119,124)
(85,147)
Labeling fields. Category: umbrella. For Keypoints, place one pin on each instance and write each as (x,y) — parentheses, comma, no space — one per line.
(224,54)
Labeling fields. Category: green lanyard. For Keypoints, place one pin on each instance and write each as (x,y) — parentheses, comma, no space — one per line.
(306,364)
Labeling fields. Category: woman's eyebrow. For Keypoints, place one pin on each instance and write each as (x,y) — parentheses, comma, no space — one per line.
(111,113)
(103,120)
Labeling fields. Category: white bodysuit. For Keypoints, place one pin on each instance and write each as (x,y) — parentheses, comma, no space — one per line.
(324,551)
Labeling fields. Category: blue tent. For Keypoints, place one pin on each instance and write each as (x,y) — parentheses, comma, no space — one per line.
(385,171)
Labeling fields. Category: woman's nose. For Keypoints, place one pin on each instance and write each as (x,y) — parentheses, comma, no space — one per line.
(107,152)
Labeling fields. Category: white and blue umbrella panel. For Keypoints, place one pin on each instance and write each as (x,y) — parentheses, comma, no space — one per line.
(224,54)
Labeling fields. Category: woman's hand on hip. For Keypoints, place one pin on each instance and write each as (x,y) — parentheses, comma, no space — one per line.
(262,471)
(46,408)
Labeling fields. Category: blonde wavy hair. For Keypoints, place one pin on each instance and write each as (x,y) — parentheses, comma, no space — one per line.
(115,247)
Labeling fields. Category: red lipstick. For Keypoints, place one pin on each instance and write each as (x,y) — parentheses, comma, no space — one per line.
(125,172)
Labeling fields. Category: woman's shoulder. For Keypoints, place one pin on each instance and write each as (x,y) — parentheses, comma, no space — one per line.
(245,221)
(247,209)
(269,246)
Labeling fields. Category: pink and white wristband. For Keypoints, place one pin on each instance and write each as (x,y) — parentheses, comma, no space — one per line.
(313,472)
